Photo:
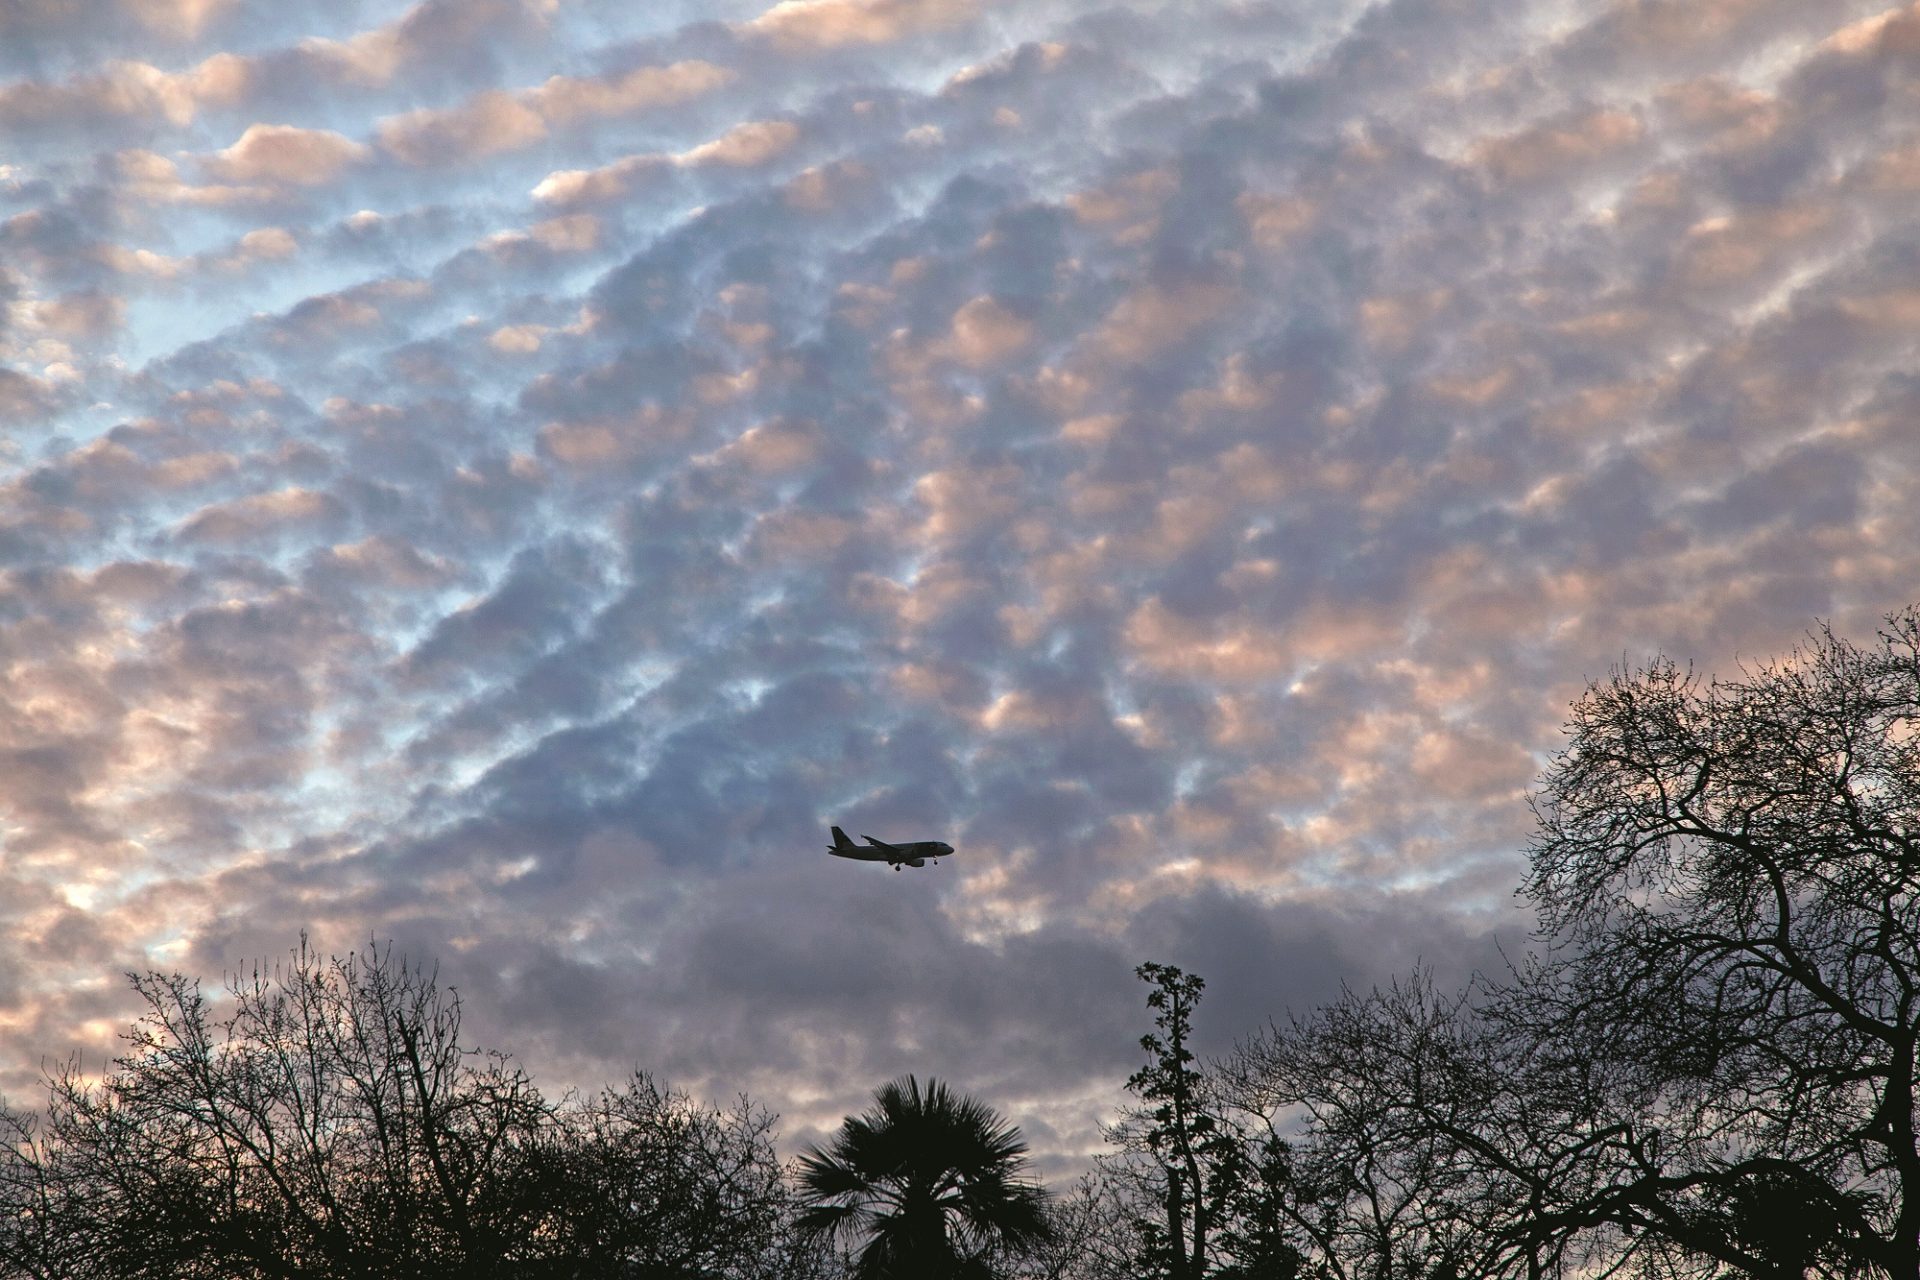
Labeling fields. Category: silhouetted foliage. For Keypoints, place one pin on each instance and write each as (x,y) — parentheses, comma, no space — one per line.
(329,1122)
(1201,1183)
(657,1185)
(1707,1066)
(1728,887)
(1193,1154)
(1093,1233)
(927,1185)
(1405,1129)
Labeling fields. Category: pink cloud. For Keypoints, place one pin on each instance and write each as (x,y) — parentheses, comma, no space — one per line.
(286,154)
(829,24)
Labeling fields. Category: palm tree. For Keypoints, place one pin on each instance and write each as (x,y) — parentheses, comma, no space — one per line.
(927,1182)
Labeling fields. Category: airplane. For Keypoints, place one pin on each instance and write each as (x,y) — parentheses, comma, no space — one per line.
(913,854)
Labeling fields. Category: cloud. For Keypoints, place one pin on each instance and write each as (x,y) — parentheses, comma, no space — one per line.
(828,24)
(126,90)
(745,145)
(187,17)
(608,182)
(487,124)
(262,244)
(90,313)
(496,121)
(253,519)
(433,46)
(506,481)
(48,31)
(285,154)
(147,177)
(1557,150)
(568,99)
(23,396)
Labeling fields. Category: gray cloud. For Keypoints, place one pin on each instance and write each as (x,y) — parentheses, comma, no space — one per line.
(506,479)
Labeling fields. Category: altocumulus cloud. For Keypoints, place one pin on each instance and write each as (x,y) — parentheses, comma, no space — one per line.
(505,476)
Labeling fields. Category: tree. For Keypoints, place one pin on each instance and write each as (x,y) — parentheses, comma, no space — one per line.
(37,1218)
(1092,1233)
(658,1185)
(1207,1175)
(326,1121)
(1412,1138)
(330,1124)
(1705,1067)
(928,1184)
(1727,883)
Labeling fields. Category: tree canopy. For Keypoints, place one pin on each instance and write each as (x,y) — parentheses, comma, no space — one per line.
(928,1184)
(326,1120)
(1728,892)
(1703,1066)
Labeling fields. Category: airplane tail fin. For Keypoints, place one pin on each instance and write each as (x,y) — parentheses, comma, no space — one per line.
(840,840)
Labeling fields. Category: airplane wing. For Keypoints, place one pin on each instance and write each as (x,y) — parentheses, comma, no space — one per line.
(881,844)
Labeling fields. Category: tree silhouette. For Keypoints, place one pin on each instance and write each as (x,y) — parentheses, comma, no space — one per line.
(1727,878)
(1710,1064)
(928,1185)
(327,1122)
(1199,1176)
(1414,1139)
(331,1123)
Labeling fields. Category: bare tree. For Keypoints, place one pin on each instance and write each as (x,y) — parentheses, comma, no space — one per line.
(1706,1067)
(1341,1091)
(1419,1139)
(326,1120)
(662,1185)
(43,1233)
(1093,1234)
(1728,887)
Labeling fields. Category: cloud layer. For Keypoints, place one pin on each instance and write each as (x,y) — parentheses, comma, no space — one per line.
(506,476)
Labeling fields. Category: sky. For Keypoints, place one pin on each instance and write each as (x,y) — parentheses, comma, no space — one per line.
(504,475)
